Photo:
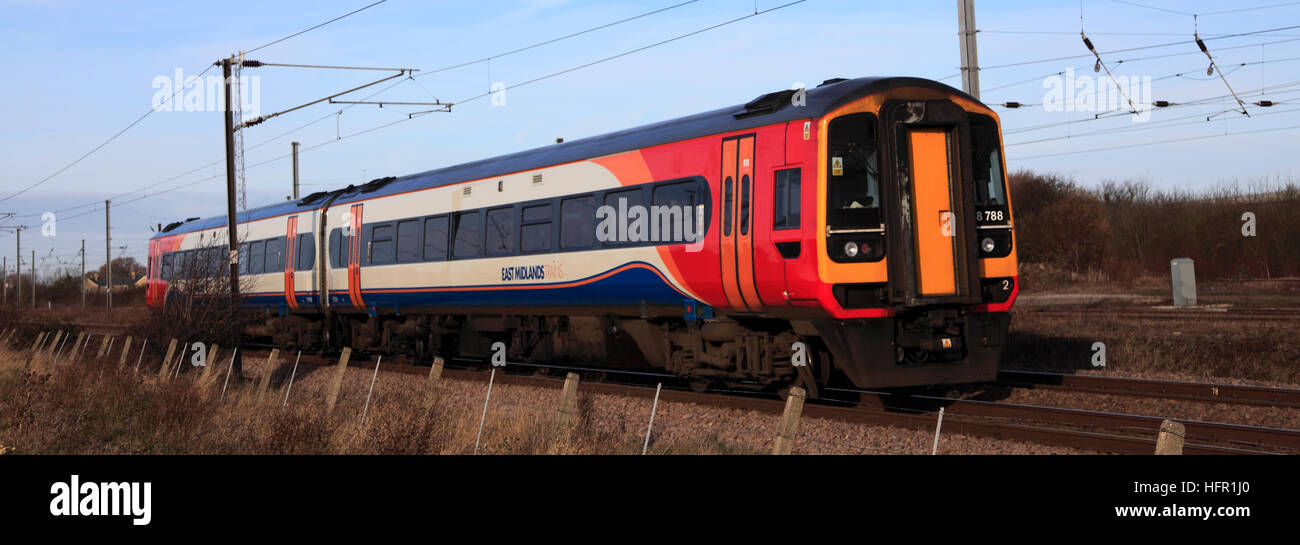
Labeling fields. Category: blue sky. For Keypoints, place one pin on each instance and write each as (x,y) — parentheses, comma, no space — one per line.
(79,71)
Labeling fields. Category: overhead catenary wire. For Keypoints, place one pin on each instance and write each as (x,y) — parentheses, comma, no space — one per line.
(1168,123)
(179,88)
(1137,48)
(554,40)
(637,50)
(1139,59)
(1208,13)
(471,99)
(1215,68)
(1164,105)
(95,204)
(1143,144)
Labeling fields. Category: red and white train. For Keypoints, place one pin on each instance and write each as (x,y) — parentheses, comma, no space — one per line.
(866,218)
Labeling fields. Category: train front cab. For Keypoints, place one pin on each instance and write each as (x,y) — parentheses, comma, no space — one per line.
(916,255)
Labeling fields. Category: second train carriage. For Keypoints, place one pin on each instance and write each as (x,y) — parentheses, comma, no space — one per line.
(867,218)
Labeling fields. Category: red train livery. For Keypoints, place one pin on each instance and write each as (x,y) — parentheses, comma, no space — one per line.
(856,233)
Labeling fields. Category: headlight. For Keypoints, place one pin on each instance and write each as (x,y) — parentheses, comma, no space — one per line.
(988,245)
(851,249)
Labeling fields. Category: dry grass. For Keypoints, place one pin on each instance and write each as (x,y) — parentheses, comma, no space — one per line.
(1231,351)
(97,408)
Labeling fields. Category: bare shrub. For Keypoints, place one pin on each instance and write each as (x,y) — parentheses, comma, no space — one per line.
(198,306)
(1126,230)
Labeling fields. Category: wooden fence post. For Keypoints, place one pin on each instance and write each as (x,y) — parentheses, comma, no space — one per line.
(49,351)
(39,337)
(210,362)
(171,349)
(569,401)
(271,361)
(1170,440)
(332,396)
(35,352)
(126,347)
(435,373)
(788,429)
(76,347)
(103,347)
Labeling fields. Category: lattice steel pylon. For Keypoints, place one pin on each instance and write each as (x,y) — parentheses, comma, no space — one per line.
(236,105)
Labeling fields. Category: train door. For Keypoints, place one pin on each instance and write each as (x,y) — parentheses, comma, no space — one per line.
(290,262)
(736,243)
(931,256)
(345,258)
(300,268)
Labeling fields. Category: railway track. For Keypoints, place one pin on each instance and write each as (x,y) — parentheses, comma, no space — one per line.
(95,328)
(1165,389)
(1150,313)
(1072,428)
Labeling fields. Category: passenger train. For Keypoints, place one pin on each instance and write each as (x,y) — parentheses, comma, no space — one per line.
(865,218)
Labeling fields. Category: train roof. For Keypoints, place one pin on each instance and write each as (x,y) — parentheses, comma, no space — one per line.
(769,108)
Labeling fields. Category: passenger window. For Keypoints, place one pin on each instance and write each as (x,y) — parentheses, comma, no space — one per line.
(435,238)
(408,241)
(577,222)
(336,249)
(744,205)
(469,235)
(727,200)
(501,231)
(787,201)
(256,257)
(244,258)
(306,252)
(275,254)
(380,249)
(166,271)
(535,234)
(212,265)
(629,198)
(672,217)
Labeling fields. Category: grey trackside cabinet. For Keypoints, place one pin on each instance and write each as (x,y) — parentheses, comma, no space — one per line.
(1184,274)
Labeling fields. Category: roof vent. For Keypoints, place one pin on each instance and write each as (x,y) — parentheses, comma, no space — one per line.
(832,81)
(765,104)
(537,178)
(465,192)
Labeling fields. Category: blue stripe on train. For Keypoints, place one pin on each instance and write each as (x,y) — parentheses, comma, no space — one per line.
(628,287)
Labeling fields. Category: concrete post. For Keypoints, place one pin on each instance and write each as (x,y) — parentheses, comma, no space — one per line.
(788,429)
(336,384)
(1170,440)
(1184,280)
